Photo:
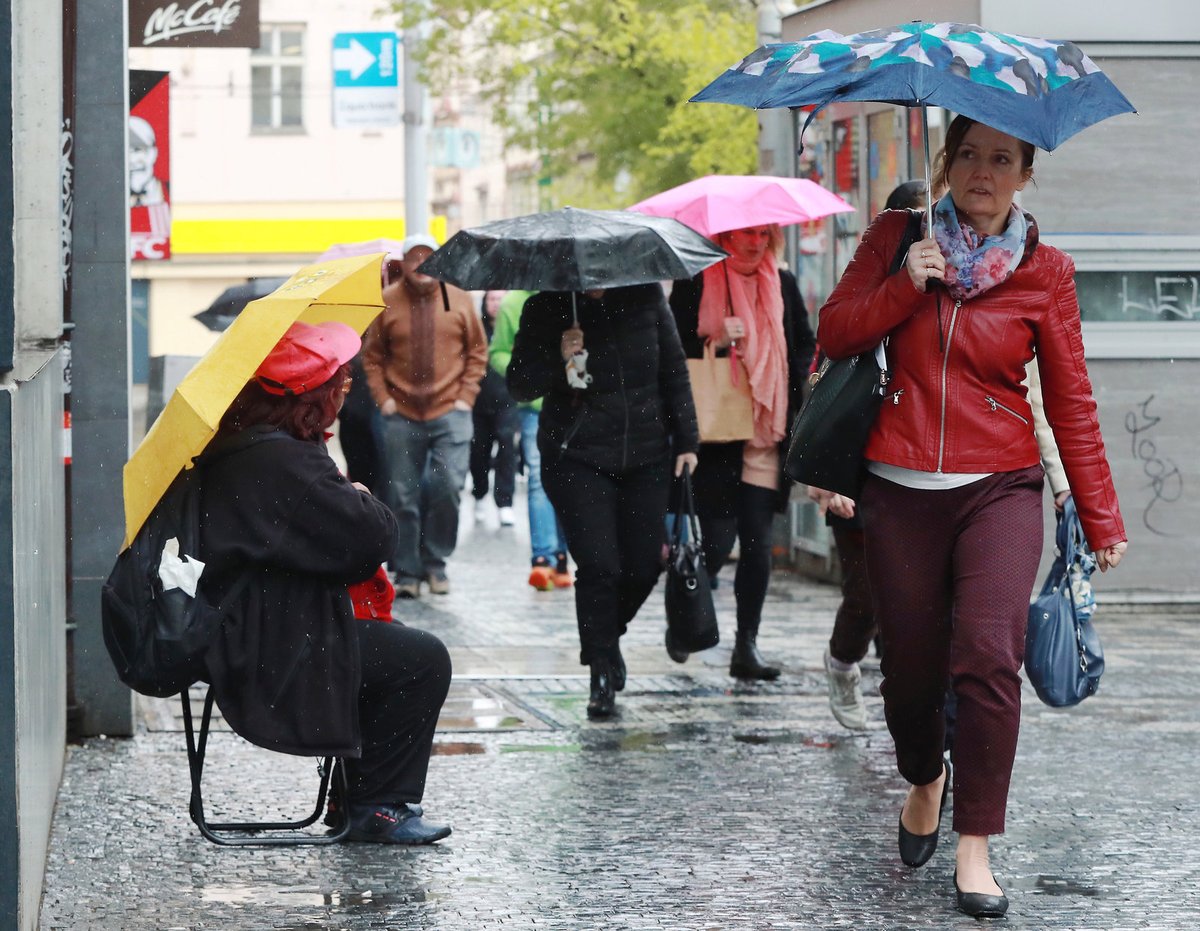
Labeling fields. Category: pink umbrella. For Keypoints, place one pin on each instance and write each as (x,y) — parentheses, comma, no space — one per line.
(716,203)
(393,247)
(342,250)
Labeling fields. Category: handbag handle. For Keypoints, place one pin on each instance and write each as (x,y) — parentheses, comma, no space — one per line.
(1069,537)
(685,505)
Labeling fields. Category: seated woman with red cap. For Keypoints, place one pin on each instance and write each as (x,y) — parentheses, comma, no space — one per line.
(292,669)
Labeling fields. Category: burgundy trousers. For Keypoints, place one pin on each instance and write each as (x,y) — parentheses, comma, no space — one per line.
(951,576)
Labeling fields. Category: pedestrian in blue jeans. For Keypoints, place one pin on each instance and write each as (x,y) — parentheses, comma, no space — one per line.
(549,567)
(424,357)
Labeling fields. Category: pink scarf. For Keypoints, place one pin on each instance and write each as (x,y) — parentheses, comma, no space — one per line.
(755,298)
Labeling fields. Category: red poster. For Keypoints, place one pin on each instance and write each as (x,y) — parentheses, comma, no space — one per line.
(149,165)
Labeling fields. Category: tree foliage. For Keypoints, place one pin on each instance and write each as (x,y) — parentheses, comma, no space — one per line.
(598,89)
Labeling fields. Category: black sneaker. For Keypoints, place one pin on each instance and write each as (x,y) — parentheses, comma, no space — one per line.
(393,824)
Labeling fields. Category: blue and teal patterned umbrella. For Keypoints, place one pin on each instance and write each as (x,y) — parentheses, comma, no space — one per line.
(1040,90)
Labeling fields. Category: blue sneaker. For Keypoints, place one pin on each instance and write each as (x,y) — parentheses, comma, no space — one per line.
(393,824)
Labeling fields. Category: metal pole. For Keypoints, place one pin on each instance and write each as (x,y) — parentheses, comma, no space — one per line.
(416,170)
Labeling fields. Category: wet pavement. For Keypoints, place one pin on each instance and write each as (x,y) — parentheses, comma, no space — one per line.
(705,805)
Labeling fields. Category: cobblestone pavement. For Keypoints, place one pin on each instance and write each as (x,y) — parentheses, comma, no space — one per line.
(706,805)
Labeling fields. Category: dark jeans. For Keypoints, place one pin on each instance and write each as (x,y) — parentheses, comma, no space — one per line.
(615,525)
(854,626)
(951,574)
(405,677)
(497,427)
(752,528)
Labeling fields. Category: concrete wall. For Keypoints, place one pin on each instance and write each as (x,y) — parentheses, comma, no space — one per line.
(33,708)
(1134,173)
(32,519)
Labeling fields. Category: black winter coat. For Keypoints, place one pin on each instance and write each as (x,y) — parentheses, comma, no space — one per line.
(637,409)
(285,666)
(720,467)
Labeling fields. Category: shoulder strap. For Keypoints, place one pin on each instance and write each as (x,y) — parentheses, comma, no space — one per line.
(912,233)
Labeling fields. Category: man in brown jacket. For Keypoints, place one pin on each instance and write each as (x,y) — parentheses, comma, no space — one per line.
(424,357)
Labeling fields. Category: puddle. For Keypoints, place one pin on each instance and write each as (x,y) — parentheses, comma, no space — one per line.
(540,748)
(293,898)
(1060,885)
(457,748)
(788,739)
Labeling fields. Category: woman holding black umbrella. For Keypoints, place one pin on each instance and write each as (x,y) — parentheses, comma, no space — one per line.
(617,407)
(952,504)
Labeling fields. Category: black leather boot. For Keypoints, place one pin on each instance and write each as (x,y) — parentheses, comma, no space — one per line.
(747,662)
(603,701)
(618,670)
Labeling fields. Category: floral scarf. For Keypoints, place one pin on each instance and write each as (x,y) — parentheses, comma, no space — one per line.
(976,263)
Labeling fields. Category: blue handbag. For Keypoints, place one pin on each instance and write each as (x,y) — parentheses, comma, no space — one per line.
(1063,656)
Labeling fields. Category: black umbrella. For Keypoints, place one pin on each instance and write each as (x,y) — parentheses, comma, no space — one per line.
(221,312)
(572,250)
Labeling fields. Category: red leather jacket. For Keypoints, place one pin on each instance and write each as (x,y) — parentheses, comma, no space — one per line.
(957,404)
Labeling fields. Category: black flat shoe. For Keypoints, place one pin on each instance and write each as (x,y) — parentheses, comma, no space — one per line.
(980,904)
(916,849)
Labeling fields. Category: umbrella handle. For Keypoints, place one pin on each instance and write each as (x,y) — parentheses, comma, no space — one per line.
(574,312)
(928,172)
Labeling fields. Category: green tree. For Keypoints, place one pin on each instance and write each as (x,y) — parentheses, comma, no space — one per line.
(599,88)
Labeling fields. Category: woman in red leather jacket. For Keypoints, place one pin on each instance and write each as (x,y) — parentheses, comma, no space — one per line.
(952,504)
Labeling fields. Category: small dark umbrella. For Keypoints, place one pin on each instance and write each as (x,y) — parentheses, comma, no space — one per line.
(221,312)
(572,250)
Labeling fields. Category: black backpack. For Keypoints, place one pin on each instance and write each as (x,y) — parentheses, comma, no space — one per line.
(157,639)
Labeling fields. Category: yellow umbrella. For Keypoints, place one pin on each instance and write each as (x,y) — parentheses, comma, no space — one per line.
(346,290)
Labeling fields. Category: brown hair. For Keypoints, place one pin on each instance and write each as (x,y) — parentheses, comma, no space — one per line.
(955,133)
(305,416)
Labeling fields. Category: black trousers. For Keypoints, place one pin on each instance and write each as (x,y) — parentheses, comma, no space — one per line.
(405,678)
(497,427)
(616,529)
(752,525)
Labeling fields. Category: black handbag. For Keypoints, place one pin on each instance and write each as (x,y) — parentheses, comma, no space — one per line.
(830,432)
(691,615)
(1063,656)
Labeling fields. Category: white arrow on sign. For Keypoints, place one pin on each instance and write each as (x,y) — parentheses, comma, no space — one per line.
(356,59)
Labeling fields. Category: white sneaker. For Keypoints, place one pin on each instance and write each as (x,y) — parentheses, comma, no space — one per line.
(845,696)
(481,510)
(507,517)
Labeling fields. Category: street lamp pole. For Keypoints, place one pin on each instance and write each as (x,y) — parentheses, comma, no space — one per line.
(416,123)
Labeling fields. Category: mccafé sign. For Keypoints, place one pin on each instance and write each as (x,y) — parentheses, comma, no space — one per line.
(193,23)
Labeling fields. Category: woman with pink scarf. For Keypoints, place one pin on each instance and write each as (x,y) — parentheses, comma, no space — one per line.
(749,307)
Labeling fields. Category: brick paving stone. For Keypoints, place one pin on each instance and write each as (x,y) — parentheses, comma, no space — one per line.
(707,804)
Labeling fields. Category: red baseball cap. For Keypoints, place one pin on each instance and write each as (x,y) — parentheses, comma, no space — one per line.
(306,357)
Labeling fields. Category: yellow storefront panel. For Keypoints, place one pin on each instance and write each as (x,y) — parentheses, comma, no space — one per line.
(207,237)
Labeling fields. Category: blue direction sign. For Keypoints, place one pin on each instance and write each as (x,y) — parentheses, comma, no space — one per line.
(366,80)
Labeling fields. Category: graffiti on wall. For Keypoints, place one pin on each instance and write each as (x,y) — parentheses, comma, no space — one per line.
(1164,480)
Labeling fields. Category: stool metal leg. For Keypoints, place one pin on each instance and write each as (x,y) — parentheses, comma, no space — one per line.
(259,833)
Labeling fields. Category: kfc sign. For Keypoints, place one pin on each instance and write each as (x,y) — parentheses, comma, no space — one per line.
(149,165)
(210,23)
